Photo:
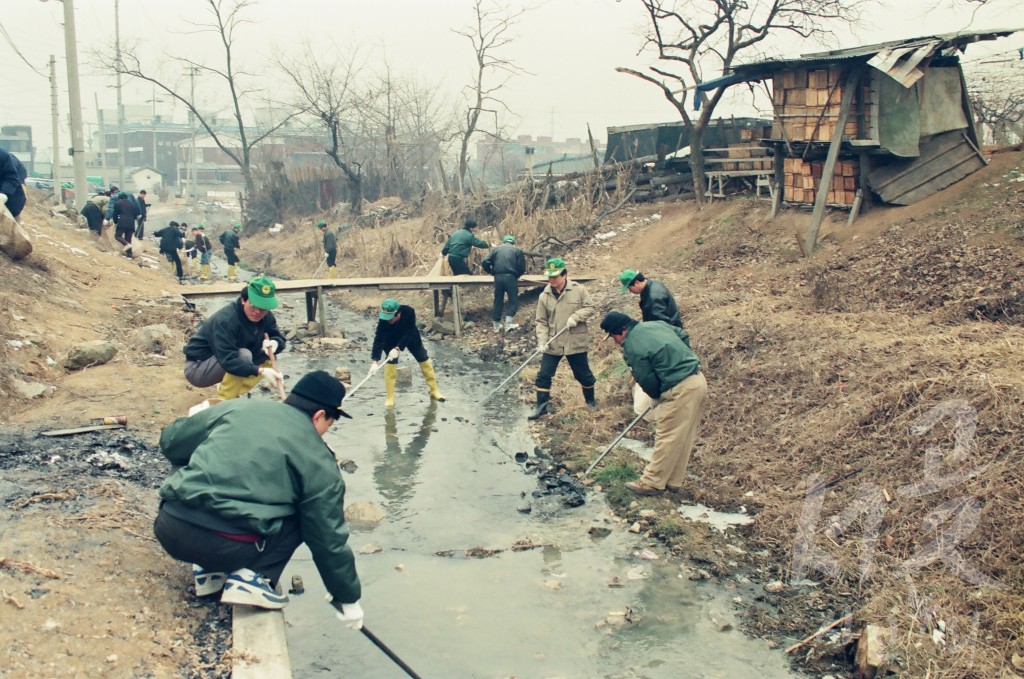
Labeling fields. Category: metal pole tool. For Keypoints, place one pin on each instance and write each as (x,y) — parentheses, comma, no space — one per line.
(525,363)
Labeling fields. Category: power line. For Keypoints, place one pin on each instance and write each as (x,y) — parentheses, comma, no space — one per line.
(18,52)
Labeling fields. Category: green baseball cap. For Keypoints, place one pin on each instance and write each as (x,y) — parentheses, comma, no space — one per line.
(627,277)
(262,293)
(237,227)
(509,239)
(321,224)
(388,309)
(556,267)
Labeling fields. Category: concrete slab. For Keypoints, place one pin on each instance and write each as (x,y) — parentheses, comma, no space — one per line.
(259,647)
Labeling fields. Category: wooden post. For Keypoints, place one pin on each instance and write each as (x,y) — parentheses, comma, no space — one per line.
(323,311)
(310,306)
(457,311)
(830,161)
(437,303)
(778,166)
(865,189)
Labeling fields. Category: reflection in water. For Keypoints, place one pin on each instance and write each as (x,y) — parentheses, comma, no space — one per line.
(395,472)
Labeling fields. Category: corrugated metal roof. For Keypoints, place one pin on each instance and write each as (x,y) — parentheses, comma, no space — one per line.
(864,52)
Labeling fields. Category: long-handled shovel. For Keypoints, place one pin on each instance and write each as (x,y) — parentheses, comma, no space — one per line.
(365,380)
(525,363)
(321,265)
(388,652)
(611,445)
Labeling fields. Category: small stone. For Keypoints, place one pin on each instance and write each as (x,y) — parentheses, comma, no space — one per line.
(112,658)
(371,548)
(775,586)
(599,531)
(524,508)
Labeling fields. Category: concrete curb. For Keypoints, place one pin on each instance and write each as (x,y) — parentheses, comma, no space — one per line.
(258,644)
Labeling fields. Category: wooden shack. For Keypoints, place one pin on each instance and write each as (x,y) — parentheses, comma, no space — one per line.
(890,122)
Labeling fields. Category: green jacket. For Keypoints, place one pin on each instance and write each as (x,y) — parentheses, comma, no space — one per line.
(330,241)
(229,239)
(461,242)
(657,354)
(254,462)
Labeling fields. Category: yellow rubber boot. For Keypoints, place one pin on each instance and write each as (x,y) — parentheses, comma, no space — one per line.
(204,272)
(390,378)
(231,273)
(332,272)
(431,379)
(233,386)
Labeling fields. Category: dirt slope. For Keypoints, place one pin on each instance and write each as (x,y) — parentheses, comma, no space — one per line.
(883,374)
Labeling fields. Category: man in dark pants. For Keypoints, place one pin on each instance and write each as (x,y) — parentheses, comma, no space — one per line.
(170,242)
(459,246)
(563,309)
(256,481)
(229,239)
(140,231)
(94,210)
(330,248)
(669,373)
(396,330)
(12,183)
(656,302)
(506,263)
(124,214)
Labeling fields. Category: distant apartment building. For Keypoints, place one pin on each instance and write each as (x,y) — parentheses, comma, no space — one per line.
(17,139)
(500,161)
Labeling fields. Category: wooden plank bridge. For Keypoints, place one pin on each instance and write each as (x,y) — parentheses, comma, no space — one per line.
(443,287)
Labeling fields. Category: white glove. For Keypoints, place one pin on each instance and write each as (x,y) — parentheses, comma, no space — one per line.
(571,322)
(543,347)
(350,614)
(325,255)
(374,367)
(3,199)
(393,354)
(106,222)
(269,346)
(272,374)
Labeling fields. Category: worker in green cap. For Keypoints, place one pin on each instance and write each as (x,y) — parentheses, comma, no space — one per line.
(656,302)
(459,245)
(233,346)
(563,309)
(330,248)
(229,239)
(506,263)
(396,330)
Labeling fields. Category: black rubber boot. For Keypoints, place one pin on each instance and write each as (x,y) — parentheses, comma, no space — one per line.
(542,405)
(588,396)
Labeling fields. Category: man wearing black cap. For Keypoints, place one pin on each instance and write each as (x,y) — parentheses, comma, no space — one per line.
(256,481)
(459,245)
(669,372)
(233,346)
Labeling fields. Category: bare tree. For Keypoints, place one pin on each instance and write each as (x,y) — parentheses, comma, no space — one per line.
(413,121)
(490,32)
(699,40)
(327,90)
(226,19)
(997,97)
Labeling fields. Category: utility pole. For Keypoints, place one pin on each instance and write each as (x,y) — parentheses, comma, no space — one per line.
(120,106)
(103,139)
(77,144)
(58,192)
(193,198)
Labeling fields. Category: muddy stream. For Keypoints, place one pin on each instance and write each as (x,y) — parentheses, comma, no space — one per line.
(447,582)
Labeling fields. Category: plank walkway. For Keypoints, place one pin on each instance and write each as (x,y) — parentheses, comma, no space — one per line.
(314,288)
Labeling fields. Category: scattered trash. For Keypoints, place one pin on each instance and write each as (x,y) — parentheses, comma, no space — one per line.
(297,586)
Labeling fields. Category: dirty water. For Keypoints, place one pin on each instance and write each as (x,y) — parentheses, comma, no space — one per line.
(476,571)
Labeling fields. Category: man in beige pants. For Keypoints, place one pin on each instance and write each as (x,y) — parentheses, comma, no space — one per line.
(669,372)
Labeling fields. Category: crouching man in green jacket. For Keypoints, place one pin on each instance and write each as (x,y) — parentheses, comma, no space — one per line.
(662,363)
(257,481)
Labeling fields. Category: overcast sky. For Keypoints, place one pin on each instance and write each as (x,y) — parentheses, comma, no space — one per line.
(569,48)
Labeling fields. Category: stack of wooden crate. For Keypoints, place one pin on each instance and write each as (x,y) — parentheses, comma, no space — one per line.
(807,104)
(802,179)
(750,157)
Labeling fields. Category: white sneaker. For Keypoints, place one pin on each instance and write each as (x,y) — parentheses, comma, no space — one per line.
(496,326)
(251,589)
(509,325)
(207,582)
